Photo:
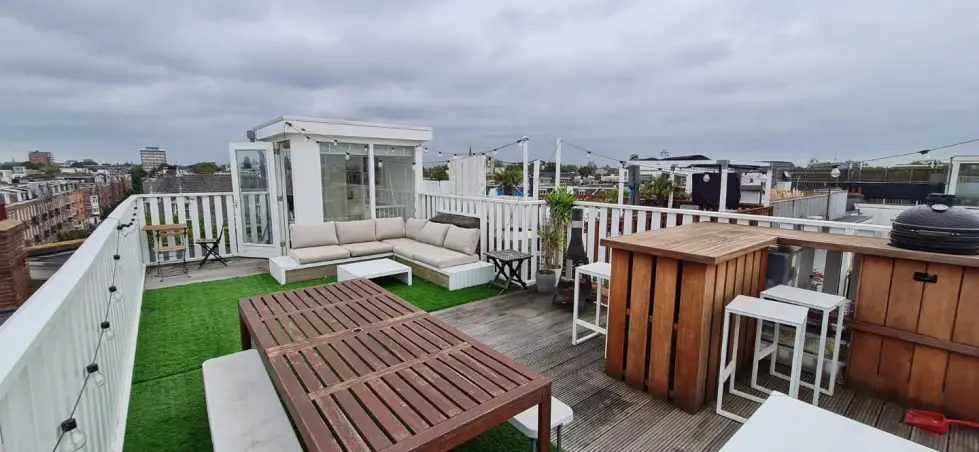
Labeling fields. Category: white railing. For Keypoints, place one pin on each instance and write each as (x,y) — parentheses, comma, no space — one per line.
(811,206)
(513,224)
(207,216)
(610,220)
(48,343)
(504,224)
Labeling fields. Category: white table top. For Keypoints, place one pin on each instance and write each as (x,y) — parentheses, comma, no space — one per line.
(803,297)
(769,310)
(600,269)
(785,424)
(368,268)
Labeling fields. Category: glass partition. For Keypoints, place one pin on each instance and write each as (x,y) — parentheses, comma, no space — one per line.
(344,184)
(395,184)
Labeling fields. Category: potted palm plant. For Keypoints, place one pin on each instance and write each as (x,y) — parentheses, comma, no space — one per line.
(551,237)
(508,180)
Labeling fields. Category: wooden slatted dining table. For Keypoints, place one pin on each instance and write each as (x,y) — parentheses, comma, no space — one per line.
(360,369)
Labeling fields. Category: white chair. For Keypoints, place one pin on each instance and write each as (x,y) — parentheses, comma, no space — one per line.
(602,272)
(825,303)
(526,422)
(763,310)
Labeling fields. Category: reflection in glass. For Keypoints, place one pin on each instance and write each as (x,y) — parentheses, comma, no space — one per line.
(256,221)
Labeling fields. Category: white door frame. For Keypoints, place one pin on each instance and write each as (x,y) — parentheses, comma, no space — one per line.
(253,242)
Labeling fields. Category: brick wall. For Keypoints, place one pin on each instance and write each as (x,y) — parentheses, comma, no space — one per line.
(15,277)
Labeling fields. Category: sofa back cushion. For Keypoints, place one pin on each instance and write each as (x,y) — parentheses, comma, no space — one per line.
(389,228)
(461,239)
(355,231)
(308,235)
(433,233)
(413,226)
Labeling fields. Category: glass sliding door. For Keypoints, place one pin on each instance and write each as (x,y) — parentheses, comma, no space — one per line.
(344,184)
(395,184)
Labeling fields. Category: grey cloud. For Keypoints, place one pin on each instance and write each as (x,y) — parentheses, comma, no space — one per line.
(729,78)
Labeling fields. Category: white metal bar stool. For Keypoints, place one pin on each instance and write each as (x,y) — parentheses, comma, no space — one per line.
(826,303)
(763,310)
(601,271)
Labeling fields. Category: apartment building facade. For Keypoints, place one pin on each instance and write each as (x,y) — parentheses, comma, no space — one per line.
(151,157)
(40,158)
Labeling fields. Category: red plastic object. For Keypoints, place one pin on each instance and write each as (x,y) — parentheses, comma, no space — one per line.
(933,421)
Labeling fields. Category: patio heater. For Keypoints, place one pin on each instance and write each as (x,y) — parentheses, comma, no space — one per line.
(576,254)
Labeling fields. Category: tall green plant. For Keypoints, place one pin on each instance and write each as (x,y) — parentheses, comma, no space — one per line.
(508,180)
(560,203)
(551,236)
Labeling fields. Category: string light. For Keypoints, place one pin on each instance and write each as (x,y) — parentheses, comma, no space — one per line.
(107,331)
(72,438)
(588,154)
(380,163)
(114,294)
(347,157)
(706,177)
(93,372)
(440,153)
(426,150)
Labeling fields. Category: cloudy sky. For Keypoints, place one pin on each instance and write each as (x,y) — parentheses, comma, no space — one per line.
(740,79)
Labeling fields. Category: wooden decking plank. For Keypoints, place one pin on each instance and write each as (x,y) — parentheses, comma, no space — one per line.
(865,409)
(930,439)
(680,431)
(722,437)
(962,439)
(624,433)
(891,420)
(601,411)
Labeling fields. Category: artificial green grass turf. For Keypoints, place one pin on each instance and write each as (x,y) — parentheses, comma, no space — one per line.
(181,327)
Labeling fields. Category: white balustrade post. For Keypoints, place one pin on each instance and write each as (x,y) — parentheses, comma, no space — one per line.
(525,151)
(557,165)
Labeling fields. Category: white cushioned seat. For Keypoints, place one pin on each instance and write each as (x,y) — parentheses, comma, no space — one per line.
(409,248)
(307,235)
(461,239)
(441,257)
(355,231)
(367,248)
(433,233)
(318,254)
(413,226)
(389,228)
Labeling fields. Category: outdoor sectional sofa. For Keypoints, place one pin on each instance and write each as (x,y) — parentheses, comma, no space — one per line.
(444,254)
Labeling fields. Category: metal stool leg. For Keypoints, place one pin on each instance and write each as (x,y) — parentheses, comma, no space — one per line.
(574,310)
(559,438)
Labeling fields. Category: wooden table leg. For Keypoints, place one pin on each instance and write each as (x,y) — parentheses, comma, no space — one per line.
(246,338)
(544,420)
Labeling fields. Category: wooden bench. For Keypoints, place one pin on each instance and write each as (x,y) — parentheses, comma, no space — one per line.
(243,410)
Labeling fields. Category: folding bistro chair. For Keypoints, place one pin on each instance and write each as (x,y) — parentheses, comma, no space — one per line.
(211,247)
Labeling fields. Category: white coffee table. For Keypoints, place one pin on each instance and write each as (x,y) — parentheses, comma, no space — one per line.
(374,269)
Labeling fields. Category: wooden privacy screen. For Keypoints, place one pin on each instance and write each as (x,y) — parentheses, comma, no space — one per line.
(665,320)
(916,335)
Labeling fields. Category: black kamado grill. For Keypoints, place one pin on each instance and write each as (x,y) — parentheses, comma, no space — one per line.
(937,227)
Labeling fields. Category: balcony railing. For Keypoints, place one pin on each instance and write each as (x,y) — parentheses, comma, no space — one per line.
(205,215)
(51,340)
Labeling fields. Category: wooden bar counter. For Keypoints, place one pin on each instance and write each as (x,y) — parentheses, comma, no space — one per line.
(915,326)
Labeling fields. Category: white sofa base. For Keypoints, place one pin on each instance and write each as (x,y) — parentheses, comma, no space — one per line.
(285,269)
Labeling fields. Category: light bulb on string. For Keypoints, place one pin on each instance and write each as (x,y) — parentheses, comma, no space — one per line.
(426,150)
(588,154)
(107,331)
(114,294)
(97,378)
(440,153)
(380,163)
(706,177)
(72,439)
(347,157)
(496,152)
(414,165)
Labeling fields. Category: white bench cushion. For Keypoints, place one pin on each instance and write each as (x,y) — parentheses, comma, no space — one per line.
(307,235)
(413,226)
(433,233)
(243,410)
(461,239)
(367,248)
(409,248)
(526,422)
(441,257)
(319,254)
(389,228)
(355,231)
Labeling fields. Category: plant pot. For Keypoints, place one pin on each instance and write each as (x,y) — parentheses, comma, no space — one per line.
(546,281)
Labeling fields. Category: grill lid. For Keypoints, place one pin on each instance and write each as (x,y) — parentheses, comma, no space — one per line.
(937,227)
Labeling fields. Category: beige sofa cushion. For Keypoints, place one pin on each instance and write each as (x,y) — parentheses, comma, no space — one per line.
(461,239)
(367,248)
(409,248)
(389,228)
(413,226)
(307,235)
(316,254)
(355,231)
(433,233)
(442,258)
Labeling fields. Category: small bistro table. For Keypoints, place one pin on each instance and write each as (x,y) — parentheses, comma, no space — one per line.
(508,263)
(360,369)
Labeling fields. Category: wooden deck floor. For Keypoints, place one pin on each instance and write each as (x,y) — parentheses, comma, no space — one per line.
(211,271)
(611,416)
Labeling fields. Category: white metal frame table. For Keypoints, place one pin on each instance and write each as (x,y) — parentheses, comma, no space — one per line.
(601,271)
(762,310)
(825,303)
(784,424)
(374,269)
